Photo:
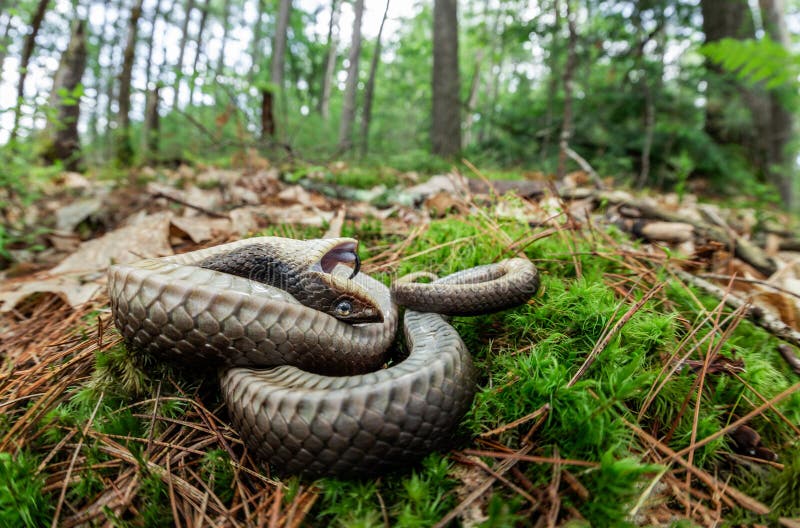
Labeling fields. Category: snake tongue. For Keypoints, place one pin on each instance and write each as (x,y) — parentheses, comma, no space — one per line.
(340,254)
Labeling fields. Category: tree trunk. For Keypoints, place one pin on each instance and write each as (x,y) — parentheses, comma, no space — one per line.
(569,72)
(267,114)
(4,41)
(276,67)
(225,27)
(152,125)
(149,62)
(199,42)
(330,62)
(176,89)
(351,87)
(472,101)
(369,90)
(124,146)
(765,140)
(64,141)
(446,129)
(255,46)
(781,127)
(27,52)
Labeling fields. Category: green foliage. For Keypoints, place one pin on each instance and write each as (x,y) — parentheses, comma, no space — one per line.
(22,502)
(755,61)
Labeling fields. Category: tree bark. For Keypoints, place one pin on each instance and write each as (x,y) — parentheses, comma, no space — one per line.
(255,46)
(225,27)
(351,87)
(267,114)
(4,41)
(124,146)
(781,127)
(369,90)
(330,62)
(569,72)
(176,89)
(27,52)
(150,40)
(472,101)
(64,141)
(276,67)
(199,43)
(765,140)
(446,127)
(152,125)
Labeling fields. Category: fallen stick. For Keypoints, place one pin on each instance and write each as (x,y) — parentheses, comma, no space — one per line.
(756,314)
(744,249)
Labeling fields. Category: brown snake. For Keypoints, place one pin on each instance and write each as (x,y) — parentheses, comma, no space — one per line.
(301,340)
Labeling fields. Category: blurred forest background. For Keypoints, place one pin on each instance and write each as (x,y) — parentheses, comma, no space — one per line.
(670,94)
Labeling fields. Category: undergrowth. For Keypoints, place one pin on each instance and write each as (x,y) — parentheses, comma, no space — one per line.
(526,358)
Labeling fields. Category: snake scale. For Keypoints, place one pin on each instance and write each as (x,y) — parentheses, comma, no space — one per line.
(301,340)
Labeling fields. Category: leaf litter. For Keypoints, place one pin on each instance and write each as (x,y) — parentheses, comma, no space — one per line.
(117,438)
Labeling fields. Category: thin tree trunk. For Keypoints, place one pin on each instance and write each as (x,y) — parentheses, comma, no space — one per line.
(225,28)
(552,85)
(64,141)
(176,89)
(152,125)
(199,42)
(497,60)
(255,46)
(569,72)
(351,87)
(765,138)
(472,101)
(27,52)
(369,90)
(277,64)
(446,129)
(781,130)
(276,67)
(330,62)
(4,41)
(150,39)
(124,146)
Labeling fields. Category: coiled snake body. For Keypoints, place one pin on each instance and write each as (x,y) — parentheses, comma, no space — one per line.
(300,345)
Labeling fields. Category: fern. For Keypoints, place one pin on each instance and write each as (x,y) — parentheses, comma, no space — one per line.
(755,61)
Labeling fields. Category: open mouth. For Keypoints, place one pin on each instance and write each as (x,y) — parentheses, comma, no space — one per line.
(342,253)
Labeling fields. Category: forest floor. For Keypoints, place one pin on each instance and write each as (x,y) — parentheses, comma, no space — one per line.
(653,379)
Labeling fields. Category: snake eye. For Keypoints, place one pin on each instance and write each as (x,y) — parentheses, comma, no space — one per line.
(344,307)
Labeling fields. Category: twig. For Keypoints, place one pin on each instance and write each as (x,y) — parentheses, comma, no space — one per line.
(756,314)
(791,358)
(516,423)
(744,500)
(63,494)
(714,276)
(181,201)
(587,168)
(502,468)
(744,419)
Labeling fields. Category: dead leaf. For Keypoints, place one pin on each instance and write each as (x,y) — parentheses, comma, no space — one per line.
(69,216)
(443,203)
(146,236)
(70,288)
(201,228)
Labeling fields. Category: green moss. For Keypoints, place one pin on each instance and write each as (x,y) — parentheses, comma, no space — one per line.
(22,501)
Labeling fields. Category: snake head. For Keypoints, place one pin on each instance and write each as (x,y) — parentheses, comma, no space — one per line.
(335,292)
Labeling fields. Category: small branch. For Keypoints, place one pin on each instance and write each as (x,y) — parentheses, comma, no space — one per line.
(791,358)
(755,314)
(586,167)
(181,201)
